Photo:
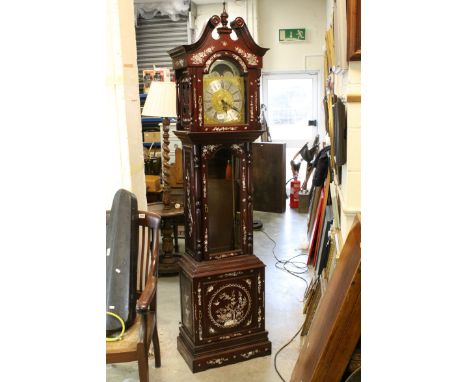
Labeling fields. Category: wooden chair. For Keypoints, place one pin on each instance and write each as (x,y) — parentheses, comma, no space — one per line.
(135,343)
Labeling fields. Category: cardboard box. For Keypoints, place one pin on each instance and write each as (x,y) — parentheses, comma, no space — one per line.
(304,197)
(153,183)
(151,136)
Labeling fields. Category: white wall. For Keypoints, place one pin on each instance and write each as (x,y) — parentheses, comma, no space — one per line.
(351,182)
(124,153)
(233,8)
(286,56)
(347,79)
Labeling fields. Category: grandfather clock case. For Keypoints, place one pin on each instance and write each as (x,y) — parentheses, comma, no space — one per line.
(222,283)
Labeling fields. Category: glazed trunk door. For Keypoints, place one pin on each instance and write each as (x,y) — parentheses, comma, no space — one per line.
(223,171)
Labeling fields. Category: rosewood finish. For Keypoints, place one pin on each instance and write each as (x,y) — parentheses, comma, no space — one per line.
(222,282)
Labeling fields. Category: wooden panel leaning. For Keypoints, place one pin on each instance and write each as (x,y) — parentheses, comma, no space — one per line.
(136,341)
(336,326)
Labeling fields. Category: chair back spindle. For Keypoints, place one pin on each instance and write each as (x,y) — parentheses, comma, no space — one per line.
(148,235)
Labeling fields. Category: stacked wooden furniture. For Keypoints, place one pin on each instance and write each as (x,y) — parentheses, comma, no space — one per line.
(221,281)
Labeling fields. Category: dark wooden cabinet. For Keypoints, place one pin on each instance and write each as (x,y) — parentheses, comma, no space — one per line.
(353,16)
(221,280)
(269,176)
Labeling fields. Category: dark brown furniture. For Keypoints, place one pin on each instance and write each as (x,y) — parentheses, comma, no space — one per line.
(336,326)
(170,219)
(135,343)
(269,176)
(353,19)
(221,280)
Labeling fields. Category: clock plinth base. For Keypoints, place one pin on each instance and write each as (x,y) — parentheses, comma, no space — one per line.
(223,311)
(200,359)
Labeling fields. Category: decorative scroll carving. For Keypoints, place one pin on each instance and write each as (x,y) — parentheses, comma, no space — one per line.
(256,104)
(217,361)
(243,178)
(240,61)
(200,330)
(251,108)
(188,194)
(239,21)
(249,354)
(222,255)
(198,58)
(209,149)
(251,58)
(178,63)
(211,59)
(225,128)
(200,110)
(237,149)
(233,274)
(229,306)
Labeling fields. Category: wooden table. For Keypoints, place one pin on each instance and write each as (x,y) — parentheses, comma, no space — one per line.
(170,220)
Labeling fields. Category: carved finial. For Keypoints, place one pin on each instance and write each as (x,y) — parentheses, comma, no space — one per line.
(224,15)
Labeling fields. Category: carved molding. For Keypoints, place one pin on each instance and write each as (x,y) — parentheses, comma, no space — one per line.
(217,361)
(178,63)
(198,58)
(251,58)
(208,150)
(225,128)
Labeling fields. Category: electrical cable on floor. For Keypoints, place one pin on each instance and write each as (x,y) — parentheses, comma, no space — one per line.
(283,263)
(276,354)
(303,268)
(291,340)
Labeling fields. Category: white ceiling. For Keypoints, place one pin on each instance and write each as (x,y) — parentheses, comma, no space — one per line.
(200,2)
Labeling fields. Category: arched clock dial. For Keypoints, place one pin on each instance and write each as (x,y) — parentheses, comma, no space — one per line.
(223,95)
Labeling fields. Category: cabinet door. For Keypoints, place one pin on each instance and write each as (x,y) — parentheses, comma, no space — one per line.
(269,176)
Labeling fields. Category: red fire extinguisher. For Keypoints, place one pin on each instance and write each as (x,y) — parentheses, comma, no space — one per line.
(294,194)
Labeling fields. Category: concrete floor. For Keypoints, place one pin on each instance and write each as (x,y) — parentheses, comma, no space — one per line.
(284,295)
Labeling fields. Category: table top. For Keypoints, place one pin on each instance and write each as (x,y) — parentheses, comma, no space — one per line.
(159,208)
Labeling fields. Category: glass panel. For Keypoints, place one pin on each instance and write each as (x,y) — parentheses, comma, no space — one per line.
(223,187)
(291,104)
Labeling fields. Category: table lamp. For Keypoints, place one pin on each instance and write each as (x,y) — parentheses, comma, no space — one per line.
(161,102)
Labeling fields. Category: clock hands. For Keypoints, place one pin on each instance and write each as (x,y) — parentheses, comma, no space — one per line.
(226,105)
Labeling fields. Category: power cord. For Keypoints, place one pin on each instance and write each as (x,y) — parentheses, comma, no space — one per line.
(301,267)
(292,339)
(276,354)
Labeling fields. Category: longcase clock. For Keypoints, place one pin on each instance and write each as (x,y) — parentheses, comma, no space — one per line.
(222,283)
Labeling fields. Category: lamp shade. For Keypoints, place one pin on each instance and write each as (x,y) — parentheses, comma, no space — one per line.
(161,100)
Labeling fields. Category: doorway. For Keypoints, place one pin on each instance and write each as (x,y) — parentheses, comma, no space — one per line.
(292,110)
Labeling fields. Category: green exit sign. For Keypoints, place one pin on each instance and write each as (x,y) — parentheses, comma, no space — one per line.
(297,34)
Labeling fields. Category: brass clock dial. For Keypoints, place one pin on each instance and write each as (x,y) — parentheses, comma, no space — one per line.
(223,95)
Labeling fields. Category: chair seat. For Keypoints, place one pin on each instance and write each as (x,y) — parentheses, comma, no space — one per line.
(128,344)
